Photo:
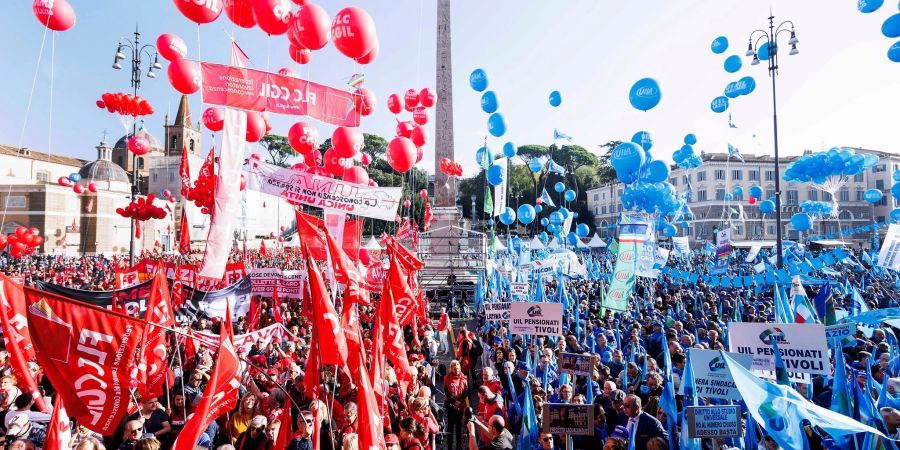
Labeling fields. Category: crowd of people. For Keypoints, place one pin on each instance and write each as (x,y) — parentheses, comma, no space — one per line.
(471,376)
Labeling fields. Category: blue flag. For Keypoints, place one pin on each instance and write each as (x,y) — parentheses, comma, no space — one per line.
(528,437)
(840,394)
(690,399)
(667,399)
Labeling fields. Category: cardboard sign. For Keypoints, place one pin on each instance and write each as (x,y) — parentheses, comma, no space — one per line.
(843,333)
(803,346)
(712,378)
(713,421)
(518,289)
(536,319)
(566,418)
(290,283)
(889,256)
(575,364)
(496,311)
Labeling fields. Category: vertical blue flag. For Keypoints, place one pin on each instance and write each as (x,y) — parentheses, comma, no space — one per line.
(667,400)
(690,399)
(528,437)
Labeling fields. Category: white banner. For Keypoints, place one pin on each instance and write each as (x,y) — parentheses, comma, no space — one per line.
(889,256)
(518,289)
(536,319)
(723,237)
(711,375)
(500,189)
(290,283)
(496,311)
(754,251)
(713,421)
(244,341)
(682,245)
(652,259)
(803,346)
(567,260)
(326,193)
(843,333)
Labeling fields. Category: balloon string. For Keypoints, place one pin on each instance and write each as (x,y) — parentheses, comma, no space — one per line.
(50,113)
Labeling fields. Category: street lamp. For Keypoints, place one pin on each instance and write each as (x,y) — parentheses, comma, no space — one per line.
(136,51)
(770,40)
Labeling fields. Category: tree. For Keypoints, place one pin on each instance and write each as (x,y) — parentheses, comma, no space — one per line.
(605,173)
(278,148)
(373,144)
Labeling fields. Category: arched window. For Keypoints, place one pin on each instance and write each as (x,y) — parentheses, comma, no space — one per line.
(845,215)
(174,144)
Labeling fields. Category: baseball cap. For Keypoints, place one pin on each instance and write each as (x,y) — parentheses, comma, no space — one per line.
(391,439)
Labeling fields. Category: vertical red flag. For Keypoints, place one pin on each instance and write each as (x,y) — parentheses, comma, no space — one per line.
(253,314)
(394,346)
(370,430)
(429,216)
(17,336)
(185,172)
(59,430)
(88,353)
(345,271)
(262,248)
(184,238)
(153,363)
(332,345)
(285,431)
(276,306)
(221,393)
(313,377)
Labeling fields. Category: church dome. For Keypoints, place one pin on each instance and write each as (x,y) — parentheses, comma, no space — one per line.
(103,172)
(122,143)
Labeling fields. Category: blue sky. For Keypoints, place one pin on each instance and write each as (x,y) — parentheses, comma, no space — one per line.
(837,92)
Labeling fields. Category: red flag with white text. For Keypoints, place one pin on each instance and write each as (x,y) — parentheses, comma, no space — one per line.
(345,271)
(17,337)
(59,430)
(153,368)
(184,235)
(327,324)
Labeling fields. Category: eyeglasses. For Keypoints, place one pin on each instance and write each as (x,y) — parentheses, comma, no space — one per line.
(548,439)
(135,432)
(257,428)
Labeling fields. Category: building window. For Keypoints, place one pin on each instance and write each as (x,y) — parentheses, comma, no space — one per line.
(770,193)
(720,174)
(737,175)
(770,229)
(171,177)
(880,218)
(770,175)
(155,177)
(674,181)
(813,195)
(596,197)
(879,184)
(604,195)
(753,175)
(701,176)
(859,195)
(720,194)
(826,196)
(845,195)
(858,178)
(882,202)
(701,196)
(739,230)
(174,144)
(792,198)
(42,176)
(878,168)
(140,163)
(603,209)
(192,146)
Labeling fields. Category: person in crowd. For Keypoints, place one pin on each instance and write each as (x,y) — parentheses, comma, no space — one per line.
(239,421)
(134,430)
(154,419)
(302,439)
(254,437)
(494,434)
(641,426)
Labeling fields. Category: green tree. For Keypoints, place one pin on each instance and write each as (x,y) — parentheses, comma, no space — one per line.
(605,173)
(373,144)
(278,148)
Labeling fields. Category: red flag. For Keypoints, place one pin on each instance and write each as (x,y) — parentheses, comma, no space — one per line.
(152,370)
(350,325)
(276,306)
(221,393)
(253,314)
(405,304)
(185,172)
(403,232)
(370,429)
(332,345)
(87,354)
(262,248)
(178,288)
(415,236)
(285,430)
(392,330)
(429,216)
(345,271)
(17,336)
(184,238)
(59,430)
(407,258)
(312,378)
(310,230)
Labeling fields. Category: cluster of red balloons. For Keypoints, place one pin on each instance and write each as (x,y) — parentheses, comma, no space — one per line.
(142,209)
(405,150)
(257,124)
(204,188)
(450,168)
(56,15)
(72,181)
(125,104)
(22,242)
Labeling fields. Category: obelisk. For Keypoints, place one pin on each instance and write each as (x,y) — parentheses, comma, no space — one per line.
(445,210)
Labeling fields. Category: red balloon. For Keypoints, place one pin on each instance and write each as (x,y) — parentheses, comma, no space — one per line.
(347,141)
(411,99)
(214,119)
(373,183)
(63,181)
(56,15)
(28,240)
(420,115)
(78,189)
(184,75)
(365,101)
(419,136)
(353,32)
(100,104)
(423,193)
(393,104)
(139,145)
(365,159)
(92,187)
(364,257)
(256,126)
(240,12)
(427,97)
(401,154)
(284,71)
(356,175)
(303,137)
(34,231)
(406,203)
(17,250)
(273,16)
(21,232)
(313,159)
(405,128)
(310,26)
(300,55)
(751,200)
(419,154)
(200,11)
(243,182)
(171,47)
(3,241)
(369,57)
(38,240)
(333,163)
(300,2)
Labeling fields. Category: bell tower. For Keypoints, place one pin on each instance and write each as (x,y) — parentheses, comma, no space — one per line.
(180,133)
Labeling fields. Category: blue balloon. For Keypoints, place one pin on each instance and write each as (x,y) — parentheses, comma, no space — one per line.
(896,175)
(627,157)
(557,218)
(728,197)
(489,103)
(479,156)
(719,45)
(801,221)
(545,221)
(564,211)
(643,139)
(526,214)
(690,139)
(582,230)
(669,230)
(569,195)
(74,177)
(536,165)
(555,99)
(873,195)
(538,208)
(685,224)
(495,175)
(575,215)
(508,216)
(645,94)
(891,26)
(553,228)
(895,215)
(894,52)
(490,222)
(719,104)
(746,85)
(478,80)
(733,63)
(767,206)
(731,90)
(738,191)
(559,186)
(868,6)
(509,150)
(763,52)
(756,192)
(895,190)
(657,171)
(496,125)
(543,237)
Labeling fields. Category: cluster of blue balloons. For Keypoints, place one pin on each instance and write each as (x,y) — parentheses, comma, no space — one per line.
(651,198)
(685,157)
(818,209)
(740,87)
(801,221)
(645,94)
(478,80)
(819,167)
(890,28)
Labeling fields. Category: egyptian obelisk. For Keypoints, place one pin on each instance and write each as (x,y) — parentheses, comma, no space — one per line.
(445,211)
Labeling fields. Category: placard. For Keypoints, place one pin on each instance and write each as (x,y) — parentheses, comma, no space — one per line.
(712,379)
(889,256)
(575,364)
(803,346)
(713,421)
(536,319)
(496,311)
(845,333)
(566,418)
(518,289)
(682,245)
(290,283)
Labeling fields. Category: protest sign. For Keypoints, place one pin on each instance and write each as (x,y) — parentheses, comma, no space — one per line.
(537,319)
(712,378)
(518,289)
(496,311)
(723,237)
(889,256)
(566,418)
(631,245)
(754,251)
(803,346)
(575,364)
(242,342)
(713,421)
(842,333)
(681,245)
(290,283)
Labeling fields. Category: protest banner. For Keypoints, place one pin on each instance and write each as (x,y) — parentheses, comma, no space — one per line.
(326,193)
(518,289)
(242,342)
(566,260)
(842,333)
(889,256)
(803,346)
(646,261)
(723,237)
(713,421)
(290,283)
(496,311)
(681,245)
(536,319)
(753,253)
(566,418)
(631,244)
(723,254)
(575,364)
(712,378)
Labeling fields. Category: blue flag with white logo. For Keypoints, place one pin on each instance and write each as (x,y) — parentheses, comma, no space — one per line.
(528,437)
(690,399)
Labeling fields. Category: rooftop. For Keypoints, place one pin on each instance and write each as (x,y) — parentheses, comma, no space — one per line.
(28,153)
